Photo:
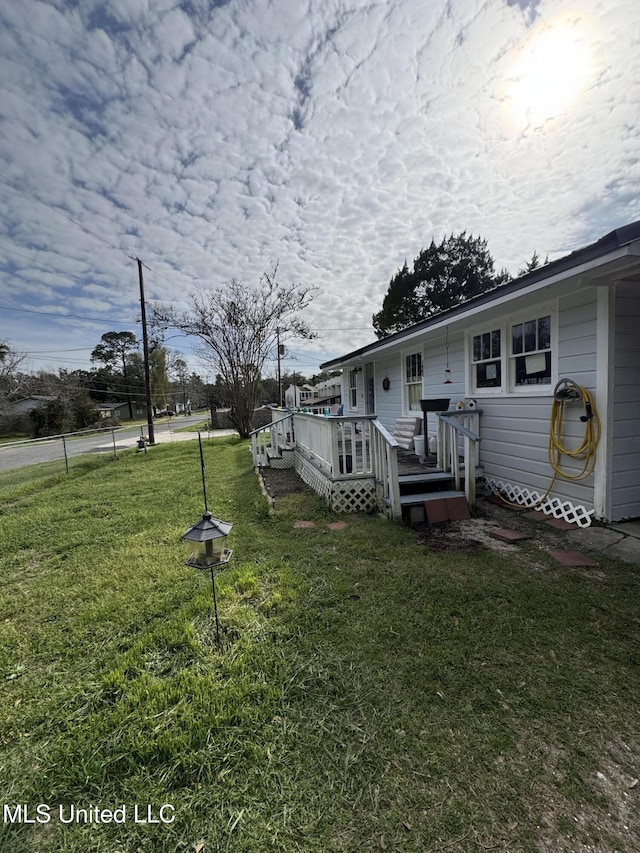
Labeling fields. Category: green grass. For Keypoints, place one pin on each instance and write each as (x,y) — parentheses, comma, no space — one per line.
(370,694)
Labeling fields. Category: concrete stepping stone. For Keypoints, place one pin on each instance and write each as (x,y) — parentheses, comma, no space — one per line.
(537,515)
(561,524)
(510,536)
(304,524)
(337,525)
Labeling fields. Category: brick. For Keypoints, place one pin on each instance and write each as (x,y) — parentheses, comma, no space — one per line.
(458,509)
(504,503)
(537,514)
(303,524)
(436,511)
(509,535)
(572,558)
(337,525)
(561,524)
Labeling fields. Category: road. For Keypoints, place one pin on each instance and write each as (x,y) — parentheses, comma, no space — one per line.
(17,455)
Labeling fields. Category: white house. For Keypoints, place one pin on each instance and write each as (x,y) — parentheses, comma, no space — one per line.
(576,318)
(325,393)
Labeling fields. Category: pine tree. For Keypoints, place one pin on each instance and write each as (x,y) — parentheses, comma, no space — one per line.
(443,275)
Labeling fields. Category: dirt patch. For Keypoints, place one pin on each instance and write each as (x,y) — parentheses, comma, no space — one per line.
(606,825)
(447,537)
(280,482)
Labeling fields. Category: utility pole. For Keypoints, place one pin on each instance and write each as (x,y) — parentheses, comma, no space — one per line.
(145,350)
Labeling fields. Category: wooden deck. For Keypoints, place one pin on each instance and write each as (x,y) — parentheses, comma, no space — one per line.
(409,464)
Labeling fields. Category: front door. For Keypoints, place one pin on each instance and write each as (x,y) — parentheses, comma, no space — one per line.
(369,388)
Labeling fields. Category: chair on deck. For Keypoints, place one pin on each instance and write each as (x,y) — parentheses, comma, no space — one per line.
(405,430)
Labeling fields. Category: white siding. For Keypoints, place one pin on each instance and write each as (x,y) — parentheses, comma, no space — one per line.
(515,430)
(389,403)
(625,474)
(515,427)
(435,361)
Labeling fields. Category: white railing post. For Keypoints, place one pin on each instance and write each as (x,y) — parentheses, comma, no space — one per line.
(449,431)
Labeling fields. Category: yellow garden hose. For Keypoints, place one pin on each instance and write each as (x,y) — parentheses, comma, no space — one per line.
(586,451)
(566,392)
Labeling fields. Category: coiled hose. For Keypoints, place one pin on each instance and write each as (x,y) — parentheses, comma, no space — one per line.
(567,391)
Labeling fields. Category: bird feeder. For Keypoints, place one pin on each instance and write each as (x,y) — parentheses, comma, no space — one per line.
(206,540)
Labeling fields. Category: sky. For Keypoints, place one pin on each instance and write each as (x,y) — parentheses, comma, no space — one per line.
(336,138)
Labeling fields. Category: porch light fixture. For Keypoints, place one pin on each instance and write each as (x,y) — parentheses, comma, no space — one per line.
(206,540)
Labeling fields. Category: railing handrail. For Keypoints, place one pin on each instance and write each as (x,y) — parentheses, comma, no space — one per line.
(333,418)
(449,432)
(385,433)
(269,425)
(458,427)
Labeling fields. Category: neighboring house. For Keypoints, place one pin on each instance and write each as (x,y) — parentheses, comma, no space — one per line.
(327,393)
(120,411)
(28,404)
(578,318)
(298,396)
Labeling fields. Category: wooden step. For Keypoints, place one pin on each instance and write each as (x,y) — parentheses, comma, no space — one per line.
(409,500)
(436,476)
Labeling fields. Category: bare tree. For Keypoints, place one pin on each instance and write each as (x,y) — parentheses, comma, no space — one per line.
(239,326)
(10,377)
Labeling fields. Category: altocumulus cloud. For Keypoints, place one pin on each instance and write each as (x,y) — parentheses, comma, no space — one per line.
(338,137)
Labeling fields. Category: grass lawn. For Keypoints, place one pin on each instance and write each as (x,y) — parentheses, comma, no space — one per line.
(371,693)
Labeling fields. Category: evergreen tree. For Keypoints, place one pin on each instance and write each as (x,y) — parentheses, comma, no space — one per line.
(443,275)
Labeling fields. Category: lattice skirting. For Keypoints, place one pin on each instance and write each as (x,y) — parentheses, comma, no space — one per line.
(287,460)
(341,495)
(313,477)
(567,511)
(353,495)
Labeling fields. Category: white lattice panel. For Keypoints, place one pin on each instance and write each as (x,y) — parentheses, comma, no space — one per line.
(313,477)
(353,496)
(567,511)
(356,495)
(287,460)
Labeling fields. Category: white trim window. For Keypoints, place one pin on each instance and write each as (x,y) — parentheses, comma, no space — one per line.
(413,381)
(353,389)
(531,353)
(486,357)
(516,355)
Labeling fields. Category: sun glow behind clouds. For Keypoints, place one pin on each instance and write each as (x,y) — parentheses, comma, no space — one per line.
(550,72)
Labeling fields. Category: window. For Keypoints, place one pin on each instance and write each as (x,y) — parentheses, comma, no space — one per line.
(531,352)
(353,389)
(514,355)
(413,381)
(486,357)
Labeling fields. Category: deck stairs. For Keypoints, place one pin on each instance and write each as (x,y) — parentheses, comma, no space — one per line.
(273,446)
(281,455)
(427,493)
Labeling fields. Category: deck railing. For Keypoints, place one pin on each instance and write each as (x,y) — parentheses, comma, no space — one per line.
(350,448)
(385,463)
(459,431)
(339,446)
(272,437)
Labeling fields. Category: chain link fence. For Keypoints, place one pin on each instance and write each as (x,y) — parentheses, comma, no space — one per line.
(35,458)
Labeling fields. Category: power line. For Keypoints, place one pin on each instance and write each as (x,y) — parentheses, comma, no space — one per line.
(74,316)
